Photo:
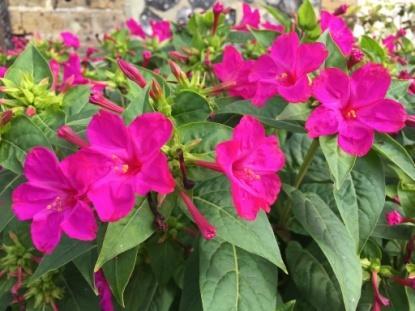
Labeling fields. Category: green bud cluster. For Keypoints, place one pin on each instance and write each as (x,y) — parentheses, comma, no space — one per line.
(44,291)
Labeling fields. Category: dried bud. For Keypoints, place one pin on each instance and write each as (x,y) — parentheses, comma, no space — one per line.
(132,72)
(99,100)
(342,9)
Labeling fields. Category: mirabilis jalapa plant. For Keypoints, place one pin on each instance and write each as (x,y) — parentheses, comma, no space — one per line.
(259,166)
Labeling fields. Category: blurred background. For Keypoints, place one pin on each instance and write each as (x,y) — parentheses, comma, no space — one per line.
(89,18)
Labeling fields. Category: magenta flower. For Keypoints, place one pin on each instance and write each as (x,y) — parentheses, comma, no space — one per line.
(72,70)
(250,18)
(354,107)
(70,40)
(379,300)
(135,28)
(54,197)
(161,30)
(284,70)
(104,291)
(2,71)
(340,33)
(390,43)
(251,160)
(394,218)
(234,72)
(273,27)
(133,154)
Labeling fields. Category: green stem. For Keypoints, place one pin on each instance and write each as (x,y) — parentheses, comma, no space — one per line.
(306,163)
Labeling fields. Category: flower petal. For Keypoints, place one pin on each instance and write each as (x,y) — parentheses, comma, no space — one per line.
(369,84)
(150,132)
(248,132)
(226,154)
(231,60)
(155,176)
(284,50)
(265,69)
(46,231)
(42,168)
(355,138)
(28,200)
(247,206)
(322,122)
(107,134)
(80,223)
(386,116)
(112,199)
(332,88)
(310,56)
(298,92)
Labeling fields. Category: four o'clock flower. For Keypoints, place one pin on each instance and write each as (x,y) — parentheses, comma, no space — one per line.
(70,40)
(340,33)
(250,18)
(136,163)
(250,160)
(234,71)
(54,197)
(161,30)
(284,70)
(135,28)
(354,107)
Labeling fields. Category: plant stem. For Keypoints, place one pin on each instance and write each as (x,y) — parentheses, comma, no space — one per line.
(306,163)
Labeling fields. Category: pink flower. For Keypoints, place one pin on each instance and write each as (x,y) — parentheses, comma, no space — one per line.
(354,107)
(135,28)
(136,163)
(208,231)
(2,71)
(251,160)
(390,43)
(70,40)
(340,33)
(104,291)
(250,18)
(409,282)
(394,218)
(161,30)
(379,299)
(218,8)
(72,70)
(273,27)
(54,197)
(284,70)
(234,71)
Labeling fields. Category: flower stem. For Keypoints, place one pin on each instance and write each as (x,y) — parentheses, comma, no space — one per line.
(306,163)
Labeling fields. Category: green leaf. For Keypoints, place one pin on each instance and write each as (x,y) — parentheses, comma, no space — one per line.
(189,107)
(32,62)
(85,265)
(335,58)
(232,279)
(15,143)
(288,306)
(66,251)
(78,110)
(280,16)
(143,293)
(165,258)
(8,182)
(269,114)
(126,233)
(396,153)
(139,102)
(264,37)
(398,89)
(118,272)
(311,279)
(333,239)
(190,298)
(372,49)
(339,162)
(213,199)
(209,134)
(307,19)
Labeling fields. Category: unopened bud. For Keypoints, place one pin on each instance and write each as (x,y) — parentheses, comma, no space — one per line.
(103,102)
(179,57)
(342,9)
(132,72)
(30,111)
(156,91)
(177,71)
(6,117)
(67,133)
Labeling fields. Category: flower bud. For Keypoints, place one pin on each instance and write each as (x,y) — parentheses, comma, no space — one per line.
(394,218)
(6,117)
(177,72)
(342,9)
(208,231)
(67,133)
(179,57)
(146,57)
(355,57)
(30,111)
(103,102)
(410,121)
(155,91)
(218,8)
(132,72)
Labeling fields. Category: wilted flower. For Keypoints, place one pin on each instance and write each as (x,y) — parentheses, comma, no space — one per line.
(354,107)
(284,70)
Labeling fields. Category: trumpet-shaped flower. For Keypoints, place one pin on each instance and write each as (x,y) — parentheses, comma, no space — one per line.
(250,18)
(340,33)
(251,160)
(234,70)
(54,197)
(136,163)
(284,70)
(354,107)
(161,30)
(70,40)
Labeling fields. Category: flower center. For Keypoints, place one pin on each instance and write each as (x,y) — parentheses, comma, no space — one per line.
(285,78)
(350,114)
(56,205)
(122,167)
(247,174)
